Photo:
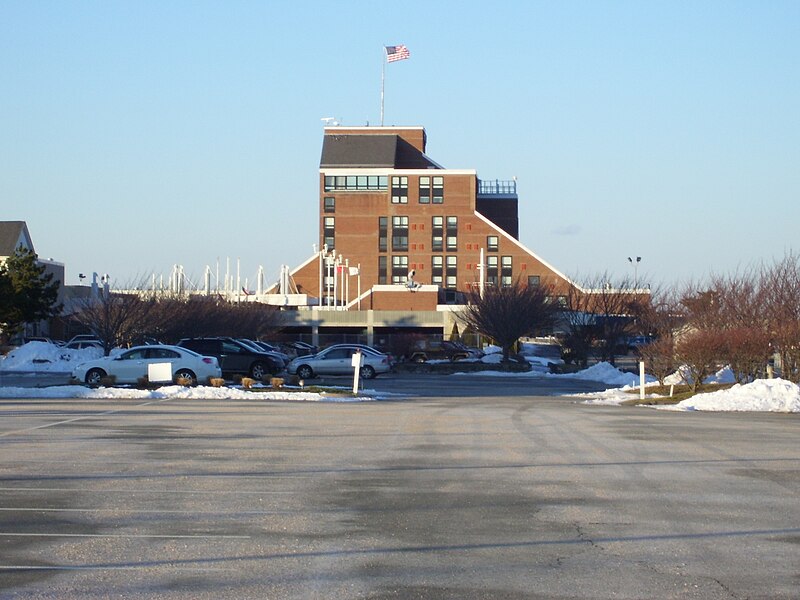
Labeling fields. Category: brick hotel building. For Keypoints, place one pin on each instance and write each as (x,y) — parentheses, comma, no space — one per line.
(390,210)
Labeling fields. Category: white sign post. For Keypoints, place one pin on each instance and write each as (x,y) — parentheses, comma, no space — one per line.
(641,380)
(357,361)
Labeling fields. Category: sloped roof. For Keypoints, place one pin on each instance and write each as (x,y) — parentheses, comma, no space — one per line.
(12,234)
(365,151)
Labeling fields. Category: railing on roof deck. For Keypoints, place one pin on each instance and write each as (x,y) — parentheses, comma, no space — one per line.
(497,186)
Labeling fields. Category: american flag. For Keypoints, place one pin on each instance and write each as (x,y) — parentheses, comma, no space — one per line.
(394,53)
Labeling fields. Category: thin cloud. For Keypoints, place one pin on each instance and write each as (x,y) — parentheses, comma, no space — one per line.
(567,230)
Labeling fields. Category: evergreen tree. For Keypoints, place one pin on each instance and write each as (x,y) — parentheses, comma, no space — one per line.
(27,294)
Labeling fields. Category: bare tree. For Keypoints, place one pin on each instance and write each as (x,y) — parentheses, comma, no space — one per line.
(506,314)
(601,314)
(116,319)
(699,352)
(201,317)
(781,293)
(659,356)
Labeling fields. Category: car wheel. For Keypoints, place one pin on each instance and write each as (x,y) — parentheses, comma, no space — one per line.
(186,374)
(305,372)
(258,370)
(367,372)
(93,376)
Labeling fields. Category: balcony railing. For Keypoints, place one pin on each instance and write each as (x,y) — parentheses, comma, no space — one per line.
(497,187)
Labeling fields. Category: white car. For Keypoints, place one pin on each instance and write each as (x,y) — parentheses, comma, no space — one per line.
(337,360)
(131,365)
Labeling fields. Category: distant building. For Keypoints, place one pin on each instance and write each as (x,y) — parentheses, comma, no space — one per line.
(15,234)
(387,209)
(404,237)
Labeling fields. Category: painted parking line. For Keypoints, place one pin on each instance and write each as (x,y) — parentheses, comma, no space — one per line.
(215,513)
(146,536)
(109,568)
(83,417)
(140,492)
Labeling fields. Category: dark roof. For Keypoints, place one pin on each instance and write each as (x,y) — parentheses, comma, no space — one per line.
(389,151)
(10,233)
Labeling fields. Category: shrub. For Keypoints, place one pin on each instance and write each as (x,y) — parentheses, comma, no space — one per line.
(700,352)
(659,356)
(746,350)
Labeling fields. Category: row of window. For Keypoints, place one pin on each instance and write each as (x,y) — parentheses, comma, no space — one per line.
(444,271)
(431,189)
(439,241)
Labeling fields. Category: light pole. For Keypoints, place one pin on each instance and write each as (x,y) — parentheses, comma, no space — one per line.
(635,262)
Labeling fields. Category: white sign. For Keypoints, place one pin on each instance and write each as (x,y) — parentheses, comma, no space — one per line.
(159,372)
(357,361)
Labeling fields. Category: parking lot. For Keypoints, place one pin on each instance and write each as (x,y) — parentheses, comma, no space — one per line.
(472,487)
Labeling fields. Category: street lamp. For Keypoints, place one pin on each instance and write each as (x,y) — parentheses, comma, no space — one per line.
(635,263)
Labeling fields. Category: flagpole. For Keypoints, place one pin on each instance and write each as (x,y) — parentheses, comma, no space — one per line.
(383,77)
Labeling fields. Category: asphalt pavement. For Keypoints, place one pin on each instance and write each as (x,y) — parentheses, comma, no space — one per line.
(461,489)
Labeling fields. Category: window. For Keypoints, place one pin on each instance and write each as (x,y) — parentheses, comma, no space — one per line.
(452,233)
(533,280)
(451,271)
(399,190)
(352,183)
(399,268)
(328,232)
(438,190)
(382,269)
(505,271)
(437,270)
(400,233)
(424,190)
(437,234)
(330,204)
(383,234)
(492,243)
(492,271)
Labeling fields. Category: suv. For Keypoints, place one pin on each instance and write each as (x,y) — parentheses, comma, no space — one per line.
(234,357)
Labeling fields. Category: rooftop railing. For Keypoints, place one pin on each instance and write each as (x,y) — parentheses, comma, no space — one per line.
(497,186)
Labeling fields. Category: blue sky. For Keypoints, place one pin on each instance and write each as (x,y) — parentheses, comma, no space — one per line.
(138,135)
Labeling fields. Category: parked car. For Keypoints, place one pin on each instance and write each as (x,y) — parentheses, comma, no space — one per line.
(83,344)
(444,350)
(84,337)
(234,356)
(269,349)
(131,365)
(636,342)
(365,348)
(301,348)
(337,360)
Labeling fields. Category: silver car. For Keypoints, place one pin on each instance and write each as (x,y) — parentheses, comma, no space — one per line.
(338,360)
(132,365)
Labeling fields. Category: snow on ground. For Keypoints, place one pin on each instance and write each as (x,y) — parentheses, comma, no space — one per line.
(762,395)
(41,356)
(773,395)
(173,391)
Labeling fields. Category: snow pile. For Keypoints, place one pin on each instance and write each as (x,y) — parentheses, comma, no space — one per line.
(41,356)
(681,376)
(607,373)
(172,391)
(763,395)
